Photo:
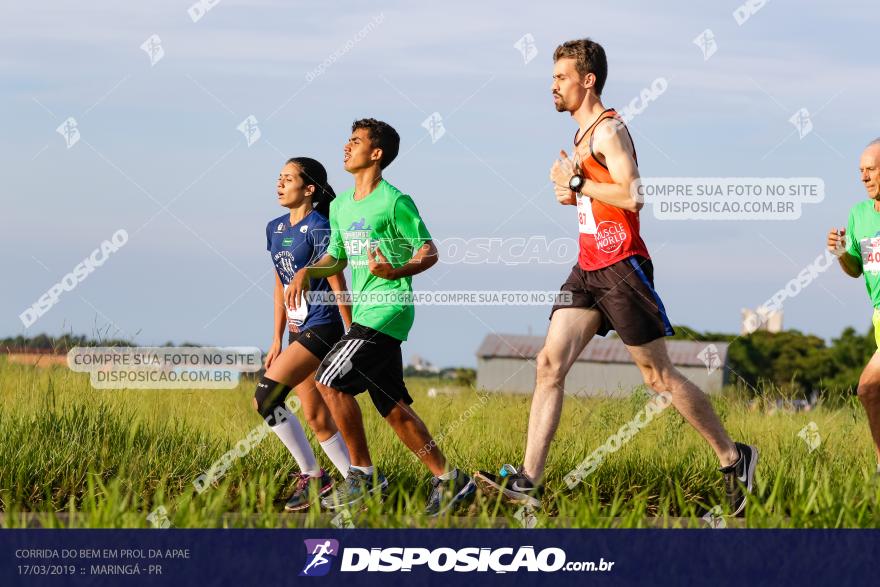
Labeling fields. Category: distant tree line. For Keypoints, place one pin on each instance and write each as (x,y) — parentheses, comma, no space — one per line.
(791,362)
(455,375)
(61,344)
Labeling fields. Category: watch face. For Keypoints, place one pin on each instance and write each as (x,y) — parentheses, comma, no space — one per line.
(575,183)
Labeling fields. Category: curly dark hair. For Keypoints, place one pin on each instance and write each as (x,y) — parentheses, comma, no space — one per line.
(383,136)
(589,57)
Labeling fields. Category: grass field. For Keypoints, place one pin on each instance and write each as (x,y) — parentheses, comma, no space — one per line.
(109,458)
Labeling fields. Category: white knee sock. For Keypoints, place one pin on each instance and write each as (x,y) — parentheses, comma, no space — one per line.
(452,474)
(294,438)
(336,450)
(365,470)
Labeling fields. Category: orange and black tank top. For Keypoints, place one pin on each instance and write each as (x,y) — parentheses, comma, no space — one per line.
(608,234)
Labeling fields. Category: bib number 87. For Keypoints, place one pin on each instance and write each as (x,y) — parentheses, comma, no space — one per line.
(586,221)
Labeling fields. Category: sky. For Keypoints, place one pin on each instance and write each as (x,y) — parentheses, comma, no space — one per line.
(156,150)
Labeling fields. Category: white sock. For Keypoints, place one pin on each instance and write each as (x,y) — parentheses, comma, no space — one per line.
(365,470)
(336,450)
(449,475)
(294,438)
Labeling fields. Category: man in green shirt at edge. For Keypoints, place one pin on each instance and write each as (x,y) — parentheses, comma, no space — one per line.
(370,224)
(858,250)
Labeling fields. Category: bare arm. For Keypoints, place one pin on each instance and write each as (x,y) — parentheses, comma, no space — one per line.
(338,285)
(615,146)
(851,265)
(424,258)
(280,315)
(279,322)
(326,266)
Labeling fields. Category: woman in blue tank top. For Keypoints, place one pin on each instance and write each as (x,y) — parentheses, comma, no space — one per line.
(295,240)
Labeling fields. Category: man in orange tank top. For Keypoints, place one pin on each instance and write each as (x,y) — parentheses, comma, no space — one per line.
(611,286)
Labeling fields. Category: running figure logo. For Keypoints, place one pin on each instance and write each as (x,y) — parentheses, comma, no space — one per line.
(318,553)
(707,44)
(526,46)
(153,48)
(68,129)
(360,225)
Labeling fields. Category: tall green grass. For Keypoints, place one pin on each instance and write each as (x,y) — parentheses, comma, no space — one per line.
(75,456)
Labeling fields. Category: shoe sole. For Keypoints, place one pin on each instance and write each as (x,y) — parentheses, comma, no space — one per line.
(514,497)
(750,474)
(338,506)
(306,505)
(468,490)
(750,478)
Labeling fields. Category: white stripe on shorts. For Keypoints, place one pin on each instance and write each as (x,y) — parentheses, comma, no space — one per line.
(330,366)
(348,352)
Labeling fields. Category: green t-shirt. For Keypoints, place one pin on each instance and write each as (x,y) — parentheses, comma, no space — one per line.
(863,243)
(389,219)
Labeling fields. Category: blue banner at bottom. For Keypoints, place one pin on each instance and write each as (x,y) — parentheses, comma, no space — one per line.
(438,557)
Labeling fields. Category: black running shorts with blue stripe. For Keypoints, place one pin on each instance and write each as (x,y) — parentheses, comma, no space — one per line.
(624,293)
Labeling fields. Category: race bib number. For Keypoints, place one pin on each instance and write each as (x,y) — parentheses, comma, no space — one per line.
(586,222)
(296,318)
(870,248)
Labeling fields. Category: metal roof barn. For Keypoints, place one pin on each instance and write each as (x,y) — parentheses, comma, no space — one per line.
(506,362)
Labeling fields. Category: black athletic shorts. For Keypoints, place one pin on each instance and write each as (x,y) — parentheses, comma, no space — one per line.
(366,360)
(319,339)
(624,293)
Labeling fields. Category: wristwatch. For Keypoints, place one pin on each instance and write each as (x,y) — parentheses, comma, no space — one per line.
(576,183)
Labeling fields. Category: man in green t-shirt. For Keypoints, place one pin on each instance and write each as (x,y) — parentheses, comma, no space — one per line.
(858,249)
(377,231)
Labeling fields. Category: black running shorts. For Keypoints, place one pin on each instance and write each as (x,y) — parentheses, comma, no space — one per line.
(319,339)
(624,293)
(366,360)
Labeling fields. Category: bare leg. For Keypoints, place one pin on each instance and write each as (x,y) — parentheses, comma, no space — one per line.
(414,434)
(570,331)
(869,395)
(315,411)
(293,365)
(296,367)
(661,376)
(347,414)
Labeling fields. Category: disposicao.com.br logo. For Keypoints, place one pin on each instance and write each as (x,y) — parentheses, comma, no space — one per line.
(441,560)
(319,554)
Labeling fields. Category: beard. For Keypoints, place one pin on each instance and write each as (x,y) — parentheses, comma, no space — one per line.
(559,104)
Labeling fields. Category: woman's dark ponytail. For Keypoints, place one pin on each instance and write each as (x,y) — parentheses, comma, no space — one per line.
(313,173)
